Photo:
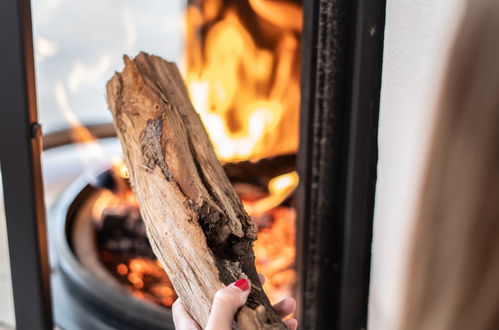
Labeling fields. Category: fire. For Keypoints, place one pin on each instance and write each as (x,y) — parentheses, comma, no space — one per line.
(106,200)
(275,254)
(275,249)
(146,279)
(121,198)
(243,75)
(280,188)
(90,150)
(120,168)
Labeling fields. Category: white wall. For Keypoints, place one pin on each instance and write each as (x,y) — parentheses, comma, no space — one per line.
(418,35)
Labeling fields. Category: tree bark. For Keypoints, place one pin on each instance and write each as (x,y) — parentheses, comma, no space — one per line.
(195,222)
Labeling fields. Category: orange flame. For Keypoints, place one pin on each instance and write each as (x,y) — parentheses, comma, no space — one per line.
(90,150)
(245,90)
(242,73)
(280,188)
(120,168)
(275,249)
(275,254)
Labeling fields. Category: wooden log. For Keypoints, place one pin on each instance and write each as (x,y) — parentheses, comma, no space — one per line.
(195,222)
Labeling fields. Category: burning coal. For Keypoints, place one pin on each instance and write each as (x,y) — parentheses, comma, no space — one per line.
(126,253)
(242,71)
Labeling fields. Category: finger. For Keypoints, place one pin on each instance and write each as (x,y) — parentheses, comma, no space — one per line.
(261,278)
(181,317)
(226,303)
(292,324)
(285,307)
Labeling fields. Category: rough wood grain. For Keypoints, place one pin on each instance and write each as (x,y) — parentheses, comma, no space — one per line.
(195,221)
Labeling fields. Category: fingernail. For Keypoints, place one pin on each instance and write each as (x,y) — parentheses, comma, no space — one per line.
(242,284)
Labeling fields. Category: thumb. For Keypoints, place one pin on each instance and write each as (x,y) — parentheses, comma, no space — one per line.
(226,303)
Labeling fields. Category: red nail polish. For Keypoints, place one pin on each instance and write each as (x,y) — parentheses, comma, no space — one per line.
(242,284)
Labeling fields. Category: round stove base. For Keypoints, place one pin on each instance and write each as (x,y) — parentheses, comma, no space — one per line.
(80,300)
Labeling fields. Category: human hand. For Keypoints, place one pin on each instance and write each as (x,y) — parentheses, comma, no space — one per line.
(226,303)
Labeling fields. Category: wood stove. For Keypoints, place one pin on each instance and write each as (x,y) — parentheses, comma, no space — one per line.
(341,51)
(100,252)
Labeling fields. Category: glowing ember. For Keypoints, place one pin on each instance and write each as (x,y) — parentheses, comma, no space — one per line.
(147,279)
(144,278)
(142,274)
(275,254)
(122,269)
(242,71)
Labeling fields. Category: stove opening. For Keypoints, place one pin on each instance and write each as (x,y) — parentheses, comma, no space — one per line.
(241,65)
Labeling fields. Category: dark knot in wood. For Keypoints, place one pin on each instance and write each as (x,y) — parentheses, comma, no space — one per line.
(150,141)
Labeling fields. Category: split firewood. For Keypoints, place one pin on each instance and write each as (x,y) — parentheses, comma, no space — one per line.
(195,221)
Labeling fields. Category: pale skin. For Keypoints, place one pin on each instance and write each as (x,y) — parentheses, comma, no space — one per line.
(226,303)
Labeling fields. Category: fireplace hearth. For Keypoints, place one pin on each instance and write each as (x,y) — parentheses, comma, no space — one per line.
(100,245)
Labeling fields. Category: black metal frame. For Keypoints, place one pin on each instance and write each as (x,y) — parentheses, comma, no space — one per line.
(341,76)
(20,147)
(342,49)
